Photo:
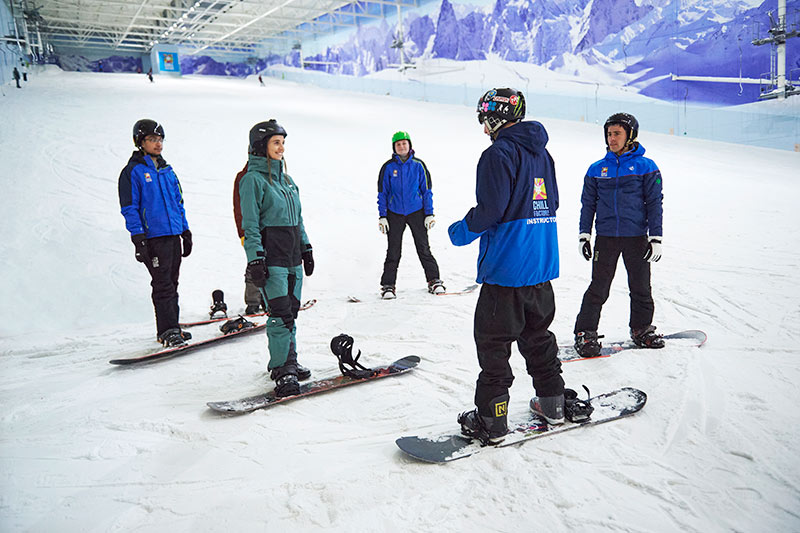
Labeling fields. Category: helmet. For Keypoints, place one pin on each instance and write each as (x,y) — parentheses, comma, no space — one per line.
(261,133)
(628,123)
(401,136)
(145,127)
(500,106)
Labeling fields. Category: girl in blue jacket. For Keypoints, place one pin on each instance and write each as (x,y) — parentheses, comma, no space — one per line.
(405,198)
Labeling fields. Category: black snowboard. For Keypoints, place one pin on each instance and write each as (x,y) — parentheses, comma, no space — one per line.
(690,337)
(185,325)
(262,401)
(187,348)
(449,447)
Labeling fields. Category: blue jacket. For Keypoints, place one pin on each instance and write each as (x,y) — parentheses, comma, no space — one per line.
(624,192)
(404,187)
(515,217)
(151,198)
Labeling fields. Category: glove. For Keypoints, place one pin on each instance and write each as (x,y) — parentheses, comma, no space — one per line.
(187,243)
(257,270)
(429,222)
(308,261)
(584,246)
(383,225)
(140,242)
(653,253)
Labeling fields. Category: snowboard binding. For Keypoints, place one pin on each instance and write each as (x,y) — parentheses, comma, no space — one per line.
(236,324)
(342,348)
(219,309)
(575,409)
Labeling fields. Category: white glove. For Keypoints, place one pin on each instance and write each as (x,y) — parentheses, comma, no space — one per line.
(429,222)
(383,225)
(584,246)
(653,252)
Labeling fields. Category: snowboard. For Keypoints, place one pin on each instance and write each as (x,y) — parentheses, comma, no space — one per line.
(184,325)
(689,337)
(465,290)
(262,401)
(446,448)
(189,347)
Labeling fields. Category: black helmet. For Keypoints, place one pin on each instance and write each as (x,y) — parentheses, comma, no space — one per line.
(145,127)
(500,106)
(628,123)
(260,134)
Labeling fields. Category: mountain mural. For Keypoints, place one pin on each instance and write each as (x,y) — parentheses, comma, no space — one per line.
(643,42)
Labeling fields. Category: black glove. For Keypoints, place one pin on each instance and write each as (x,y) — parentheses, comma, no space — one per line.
(585,246)
(308,261)
(140,242)
(187,243)
(257,270)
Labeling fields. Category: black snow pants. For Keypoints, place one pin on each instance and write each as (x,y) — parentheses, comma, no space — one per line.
(604,265)
(164,268)
(397,225)
(523,314)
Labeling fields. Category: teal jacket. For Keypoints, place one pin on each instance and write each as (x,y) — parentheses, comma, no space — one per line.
(271,214)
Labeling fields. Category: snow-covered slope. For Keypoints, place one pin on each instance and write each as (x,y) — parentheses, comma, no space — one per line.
(85,446)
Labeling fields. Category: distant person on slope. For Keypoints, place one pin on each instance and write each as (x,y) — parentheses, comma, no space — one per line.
(151,199)
(16,77)
(622,194)
(253,301)
(405,198)
(515,219)
(277,248)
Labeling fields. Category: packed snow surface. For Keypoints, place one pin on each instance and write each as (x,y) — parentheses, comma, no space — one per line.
(88,446)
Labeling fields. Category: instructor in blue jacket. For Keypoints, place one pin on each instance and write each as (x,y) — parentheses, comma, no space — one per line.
(152,203)
(622,195)
(515,219)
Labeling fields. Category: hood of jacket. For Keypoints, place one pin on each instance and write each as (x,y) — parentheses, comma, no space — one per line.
(531,135)
(636,152)
(138,157)
(261,164)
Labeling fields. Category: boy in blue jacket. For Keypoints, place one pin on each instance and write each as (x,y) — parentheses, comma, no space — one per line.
(622,194)
(405,199)
(151,201)
(515,218)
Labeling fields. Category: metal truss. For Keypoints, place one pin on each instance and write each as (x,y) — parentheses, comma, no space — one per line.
(226,26)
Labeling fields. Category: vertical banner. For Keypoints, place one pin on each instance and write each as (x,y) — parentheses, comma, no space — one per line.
(168,62)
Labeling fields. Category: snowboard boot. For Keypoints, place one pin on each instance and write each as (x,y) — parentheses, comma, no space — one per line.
(388,292)
(219,309)
(287,385)
(587,343)
(436,286)
(184,334)
(647,337)
(172,338)
(549,408)
(303,373)
(577,410)
(489,430)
